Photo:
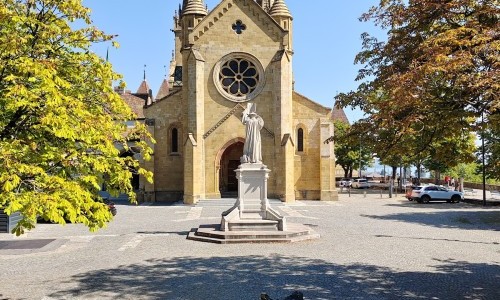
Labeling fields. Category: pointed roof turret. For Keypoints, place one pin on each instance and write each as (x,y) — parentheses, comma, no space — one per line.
(144,87)
(194,7)
(279,9)
(164,90)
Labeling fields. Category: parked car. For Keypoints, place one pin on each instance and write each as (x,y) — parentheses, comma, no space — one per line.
(360,183)
(424,194)
(345,182)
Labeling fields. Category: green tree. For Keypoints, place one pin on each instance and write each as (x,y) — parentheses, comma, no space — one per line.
(438,71)
(350,149)
(60,121)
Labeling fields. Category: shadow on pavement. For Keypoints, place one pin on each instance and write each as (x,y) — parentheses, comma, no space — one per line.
(434,205)
(482,220)
(245,277)
(181,233)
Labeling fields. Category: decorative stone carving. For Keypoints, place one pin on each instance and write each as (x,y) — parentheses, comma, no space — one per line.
(252,150)
(239,77)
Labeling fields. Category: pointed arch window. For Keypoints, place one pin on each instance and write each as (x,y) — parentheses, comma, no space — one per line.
(300,140)
(174,140)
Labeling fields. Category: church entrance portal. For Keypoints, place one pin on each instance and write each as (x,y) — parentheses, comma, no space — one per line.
(229,162)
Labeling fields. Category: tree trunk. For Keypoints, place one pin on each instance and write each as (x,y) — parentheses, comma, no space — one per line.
(419,170)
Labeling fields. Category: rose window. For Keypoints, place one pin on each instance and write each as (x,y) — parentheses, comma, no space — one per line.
(239,77)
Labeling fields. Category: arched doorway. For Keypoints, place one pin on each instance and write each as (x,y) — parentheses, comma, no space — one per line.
(229,162)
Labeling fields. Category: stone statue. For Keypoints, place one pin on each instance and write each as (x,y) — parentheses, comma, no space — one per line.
(252,150)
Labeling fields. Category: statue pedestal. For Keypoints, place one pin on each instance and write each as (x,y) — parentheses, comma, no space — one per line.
(251,219)
(252,210)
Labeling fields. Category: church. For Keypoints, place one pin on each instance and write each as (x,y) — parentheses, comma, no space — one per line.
(239,52)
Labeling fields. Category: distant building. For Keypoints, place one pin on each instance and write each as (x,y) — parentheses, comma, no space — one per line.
(239,52)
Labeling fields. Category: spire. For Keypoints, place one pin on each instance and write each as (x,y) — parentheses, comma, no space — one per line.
(194,7)
(279,9)
(144,87)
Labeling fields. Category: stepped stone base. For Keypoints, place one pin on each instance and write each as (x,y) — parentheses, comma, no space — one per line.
(252,219)
(214,234)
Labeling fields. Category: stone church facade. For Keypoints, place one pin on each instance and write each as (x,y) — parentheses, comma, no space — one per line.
(239,52)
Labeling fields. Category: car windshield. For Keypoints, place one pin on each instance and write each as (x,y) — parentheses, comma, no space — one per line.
(417,188)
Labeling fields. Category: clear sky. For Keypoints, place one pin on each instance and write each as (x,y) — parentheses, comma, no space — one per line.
(326,40)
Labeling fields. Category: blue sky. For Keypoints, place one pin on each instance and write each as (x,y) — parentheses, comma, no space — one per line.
(326,40)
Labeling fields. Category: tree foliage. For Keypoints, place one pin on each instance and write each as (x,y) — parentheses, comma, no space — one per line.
(60,121)
(425,88)
(350,149)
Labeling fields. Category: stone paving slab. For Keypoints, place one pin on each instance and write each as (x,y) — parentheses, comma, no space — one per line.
(370,248)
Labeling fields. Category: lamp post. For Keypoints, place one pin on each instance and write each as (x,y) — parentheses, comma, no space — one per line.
(482,158)
(360,157)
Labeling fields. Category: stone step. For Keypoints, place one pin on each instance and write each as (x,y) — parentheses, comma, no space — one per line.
(255,215)
(253,239)
(214,233)
(231,202)
(253,225)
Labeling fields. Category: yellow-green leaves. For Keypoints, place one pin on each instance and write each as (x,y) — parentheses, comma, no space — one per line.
(60,121)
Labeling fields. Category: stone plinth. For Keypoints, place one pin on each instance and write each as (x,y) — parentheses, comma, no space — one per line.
(252,219)
(252,206)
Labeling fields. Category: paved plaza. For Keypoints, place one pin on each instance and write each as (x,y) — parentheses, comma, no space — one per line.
(370,248)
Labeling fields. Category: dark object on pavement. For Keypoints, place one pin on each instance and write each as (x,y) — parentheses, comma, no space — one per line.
(111,206)
(295,296)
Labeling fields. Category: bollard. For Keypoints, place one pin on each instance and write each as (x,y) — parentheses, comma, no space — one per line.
(364,193)
(390,188)
(381,193)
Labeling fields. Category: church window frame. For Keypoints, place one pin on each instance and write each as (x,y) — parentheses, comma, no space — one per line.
(238,27)
(174,140)
(301,141)
(239,77)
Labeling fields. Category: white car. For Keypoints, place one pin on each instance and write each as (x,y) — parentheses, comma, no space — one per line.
(360,183)
(424,194)
(345,182)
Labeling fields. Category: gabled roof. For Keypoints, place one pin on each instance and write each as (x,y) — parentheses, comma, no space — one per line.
(335,113)
(313,102)
(135,103)
(175,92)
(164,89)
(224,6)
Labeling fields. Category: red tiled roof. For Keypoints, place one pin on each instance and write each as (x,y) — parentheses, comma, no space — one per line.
(339,115)
(164,90)
(143,88)
(135,103)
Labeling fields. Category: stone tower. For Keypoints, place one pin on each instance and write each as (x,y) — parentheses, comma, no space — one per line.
(240,52)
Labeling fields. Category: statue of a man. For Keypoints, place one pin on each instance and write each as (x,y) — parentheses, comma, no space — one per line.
(252,150)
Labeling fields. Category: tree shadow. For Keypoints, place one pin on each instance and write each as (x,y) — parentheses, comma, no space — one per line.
(471,220)
(245,277)
(435,205)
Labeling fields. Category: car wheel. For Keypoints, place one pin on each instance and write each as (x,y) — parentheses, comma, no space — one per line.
(425,199)
(455,198)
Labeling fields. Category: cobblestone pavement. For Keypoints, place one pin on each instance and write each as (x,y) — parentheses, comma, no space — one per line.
(370,248)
